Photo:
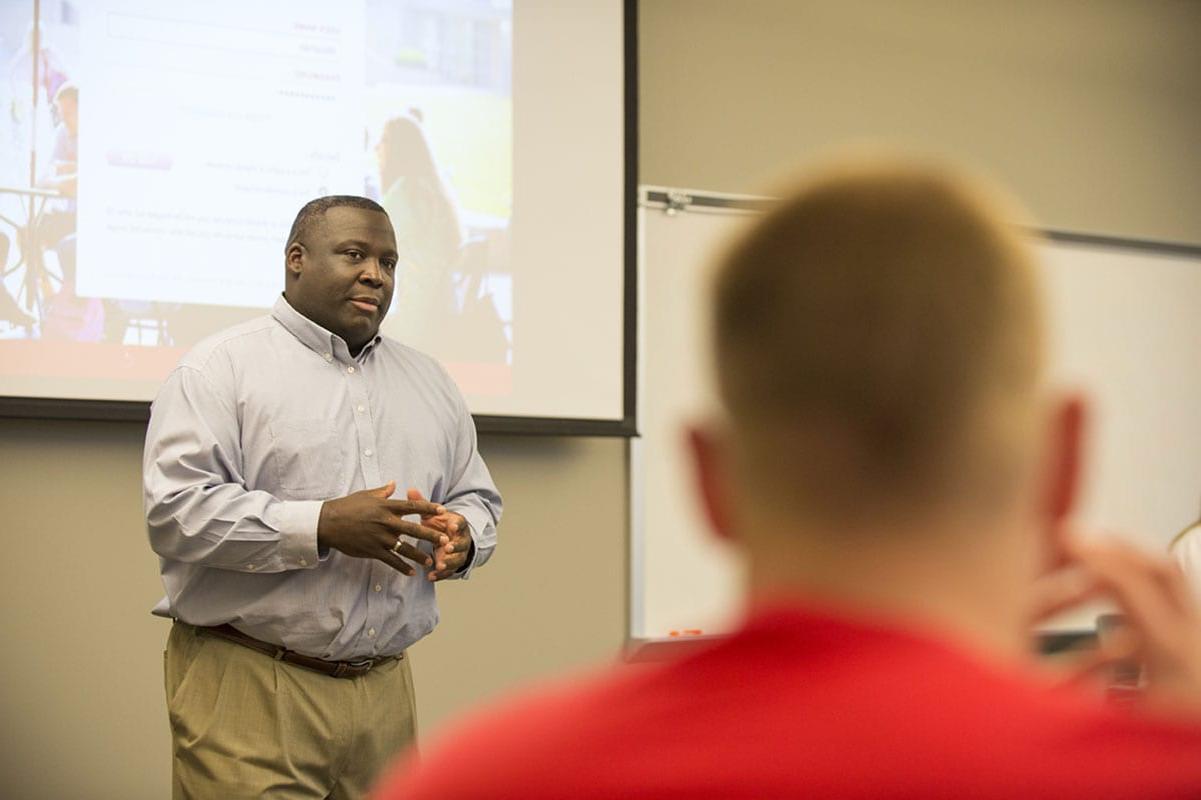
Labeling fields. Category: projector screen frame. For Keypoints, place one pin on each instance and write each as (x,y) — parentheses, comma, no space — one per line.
(22,407)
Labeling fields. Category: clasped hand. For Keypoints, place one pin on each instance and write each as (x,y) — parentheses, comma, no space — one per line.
(1162,629)
(451,556)
(367,524)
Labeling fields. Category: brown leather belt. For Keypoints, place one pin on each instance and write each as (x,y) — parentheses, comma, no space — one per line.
(335,669)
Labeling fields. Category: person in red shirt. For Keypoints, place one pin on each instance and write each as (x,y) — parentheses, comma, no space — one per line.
(899,475)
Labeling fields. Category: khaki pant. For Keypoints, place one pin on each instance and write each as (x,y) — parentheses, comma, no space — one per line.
(244,725)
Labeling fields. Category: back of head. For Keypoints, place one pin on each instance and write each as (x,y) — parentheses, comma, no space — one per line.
(878,344)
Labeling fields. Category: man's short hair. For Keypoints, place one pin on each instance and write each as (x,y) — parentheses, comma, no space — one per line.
(878,340)
(314,210)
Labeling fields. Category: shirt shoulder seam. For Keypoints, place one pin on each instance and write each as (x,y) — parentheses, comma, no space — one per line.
(226,340)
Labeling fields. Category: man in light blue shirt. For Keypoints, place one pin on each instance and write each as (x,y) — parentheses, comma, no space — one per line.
(296,580)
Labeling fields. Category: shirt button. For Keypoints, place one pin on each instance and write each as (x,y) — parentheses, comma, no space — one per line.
(304,563)
(361,409)
(378,587)
(251,567)
(368,453)
(328,356)
(371,632)
(350,370)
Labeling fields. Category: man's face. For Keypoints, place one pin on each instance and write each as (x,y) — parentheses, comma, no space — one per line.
(341,273)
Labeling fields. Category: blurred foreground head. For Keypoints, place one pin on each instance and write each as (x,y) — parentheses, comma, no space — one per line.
(878,343)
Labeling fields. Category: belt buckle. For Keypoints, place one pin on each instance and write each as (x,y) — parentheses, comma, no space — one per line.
(365,664)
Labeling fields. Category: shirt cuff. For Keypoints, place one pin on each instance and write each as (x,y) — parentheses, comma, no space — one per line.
(296,521)
(475,560)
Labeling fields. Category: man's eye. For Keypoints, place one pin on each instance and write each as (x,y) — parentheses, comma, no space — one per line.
(388,265)
(354,255)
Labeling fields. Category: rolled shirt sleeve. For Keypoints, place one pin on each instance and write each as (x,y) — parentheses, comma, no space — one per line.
(473,494)
(198,509)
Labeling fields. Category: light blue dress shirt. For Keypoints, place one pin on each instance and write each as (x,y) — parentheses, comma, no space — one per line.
(257,427)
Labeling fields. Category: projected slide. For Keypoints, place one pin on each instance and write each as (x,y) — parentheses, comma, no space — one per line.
(155,152)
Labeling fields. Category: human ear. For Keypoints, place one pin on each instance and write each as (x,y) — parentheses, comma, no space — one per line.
(1062,482)
(711,478)
(294,258)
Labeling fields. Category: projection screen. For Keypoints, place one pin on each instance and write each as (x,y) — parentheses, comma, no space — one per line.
(156,151)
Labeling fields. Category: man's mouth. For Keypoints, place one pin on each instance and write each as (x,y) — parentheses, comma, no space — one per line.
(368,304)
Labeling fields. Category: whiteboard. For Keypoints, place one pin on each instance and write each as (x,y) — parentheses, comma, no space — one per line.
(1125,328)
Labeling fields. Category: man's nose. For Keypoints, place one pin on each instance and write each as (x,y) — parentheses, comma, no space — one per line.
(372,274)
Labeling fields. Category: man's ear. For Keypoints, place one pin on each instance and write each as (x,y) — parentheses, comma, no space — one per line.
(1066,453)
(711,478)
(1067,445)
(294,259)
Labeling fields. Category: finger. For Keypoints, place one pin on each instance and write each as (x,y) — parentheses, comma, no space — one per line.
(450,563)
(383,492)
(1092,668)
(416,496)
(447,566)
(411,553)
(1119,648)
(1132,575)
(443,522)
(1061,591)
(424,508)
(397,563)
(435,537)
(460,543)
(1136,583)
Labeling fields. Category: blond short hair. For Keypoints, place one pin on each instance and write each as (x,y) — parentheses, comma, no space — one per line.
(878,339)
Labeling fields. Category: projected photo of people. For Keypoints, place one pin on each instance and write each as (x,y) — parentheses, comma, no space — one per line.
(39,188)
(38,179)
(441,106)
(151,164)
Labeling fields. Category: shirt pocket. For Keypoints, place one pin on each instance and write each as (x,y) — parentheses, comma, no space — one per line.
(307,459)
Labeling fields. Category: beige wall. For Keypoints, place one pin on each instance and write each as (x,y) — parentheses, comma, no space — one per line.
(1089,109)
(82,700)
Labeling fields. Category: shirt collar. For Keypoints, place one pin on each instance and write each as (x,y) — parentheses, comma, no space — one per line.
(313,336)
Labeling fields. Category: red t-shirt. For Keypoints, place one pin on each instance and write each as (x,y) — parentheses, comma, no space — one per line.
(804,704)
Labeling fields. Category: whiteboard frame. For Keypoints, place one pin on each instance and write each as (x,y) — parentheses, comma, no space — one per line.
(652,197)
(685,200)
